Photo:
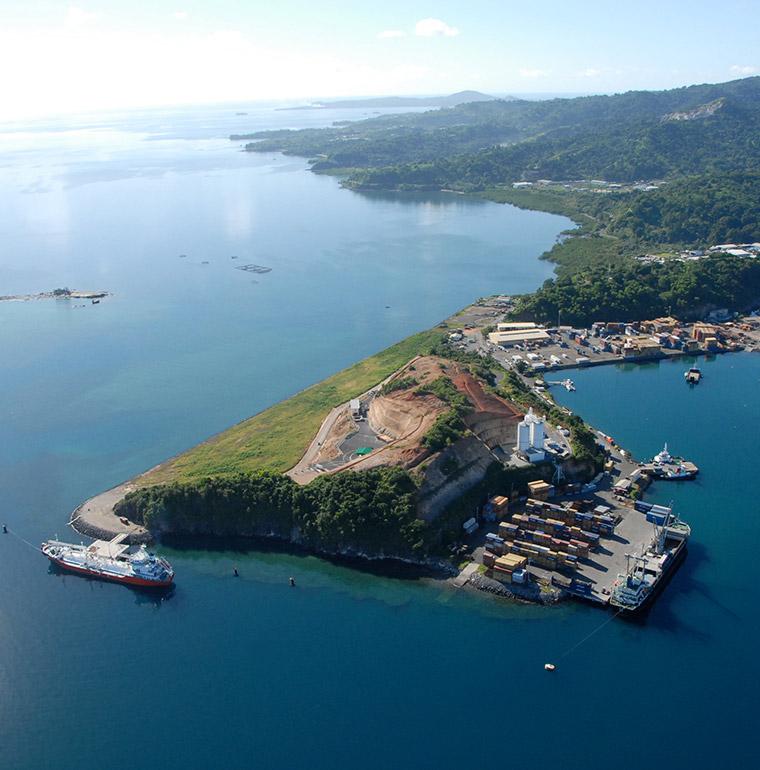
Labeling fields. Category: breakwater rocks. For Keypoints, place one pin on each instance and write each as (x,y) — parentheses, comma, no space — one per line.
(351,554)
(88,529)
(521,593)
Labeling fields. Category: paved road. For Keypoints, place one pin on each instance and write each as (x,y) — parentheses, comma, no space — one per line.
(301,472)
(95,517)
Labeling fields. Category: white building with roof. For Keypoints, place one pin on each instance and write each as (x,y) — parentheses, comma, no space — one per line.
(511,337)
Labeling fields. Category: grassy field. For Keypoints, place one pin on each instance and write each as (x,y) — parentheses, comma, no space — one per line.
(276,438)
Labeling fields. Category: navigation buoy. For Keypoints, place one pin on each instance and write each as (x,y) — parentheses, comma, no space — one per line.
(235,572)
(292,581)
(549,667)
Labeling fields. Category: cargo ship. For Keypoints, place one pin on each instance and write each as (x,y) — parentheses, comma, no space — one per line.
(647,572)
(112,560)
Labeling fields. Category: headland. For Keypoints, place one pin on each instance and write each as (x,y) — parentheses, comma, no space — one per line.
(398,456)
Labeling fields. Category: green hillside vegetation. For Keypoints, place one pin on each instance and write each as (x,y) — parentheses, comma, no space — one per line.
(655,148)
(276,438)
(624,137)
(448,427)
(402,383)
(695,211)
(372,511)
(636,291)
(703,210)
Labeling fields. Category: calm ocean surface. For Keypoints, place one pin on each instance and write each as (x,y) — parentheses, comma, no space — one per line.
(350,669)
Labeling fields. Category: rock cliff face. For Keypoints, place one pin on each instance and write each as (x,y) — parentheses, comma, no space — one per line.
(698,113)
(493,432)
(454,471)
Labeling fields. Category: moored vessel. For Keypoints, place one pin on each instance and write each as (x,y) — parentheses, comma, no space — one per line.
(671,468)
(112,560)
(647,572)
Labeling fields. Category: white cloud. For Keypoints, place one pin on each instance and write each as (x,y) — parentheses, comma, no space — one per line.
(434,28)
(228,38)
(739,69)
(180,15)
(386,34)
(590,72)
(78,17)
(528,72)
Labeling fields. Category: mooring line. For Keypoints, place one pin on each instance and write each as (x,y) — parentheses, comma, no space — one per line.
(586,638)
(8,531)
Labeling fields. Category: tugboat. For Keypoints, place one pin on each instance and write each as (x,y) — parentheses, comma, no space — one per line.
(693,376)
(666,466)
(112,560)
(645,576)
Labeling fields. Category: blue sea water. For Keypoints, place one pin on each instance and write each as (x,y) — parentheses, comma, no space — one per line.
(350,668)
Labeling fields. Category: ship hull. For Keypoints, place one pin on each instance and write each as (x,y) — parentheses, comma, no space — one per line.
(641,609)
(126,579)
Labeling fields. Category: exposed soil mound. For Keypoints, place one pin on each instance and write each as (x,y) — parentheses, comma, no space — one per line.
(398,417)
(481,399)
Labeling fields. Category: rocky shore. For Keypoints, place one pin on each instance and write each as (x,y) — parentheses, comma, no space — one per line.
(528,593)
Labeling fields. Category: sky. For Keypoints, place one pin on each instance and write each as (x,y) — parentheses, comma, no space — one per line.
(58,57)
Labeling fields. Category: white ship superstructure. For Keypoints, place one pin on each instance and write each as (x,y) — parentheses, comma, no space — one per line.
(111,560)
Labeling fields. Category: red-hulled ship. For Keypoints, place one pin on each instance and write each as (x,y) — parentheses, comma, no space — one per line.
(112,560)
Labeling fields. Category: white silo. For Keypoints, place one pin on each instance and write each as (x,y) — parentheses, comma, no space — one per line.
(530,432)
(536,430)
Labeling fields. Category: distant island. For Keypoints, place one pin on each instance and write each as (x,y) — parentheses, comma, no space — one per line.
(55,294)
(452,100)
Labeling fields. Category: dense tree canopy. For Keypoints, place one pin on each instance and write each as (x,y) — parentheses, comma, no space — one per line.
(702,210)
(637,291)
(371,511)
(624,137)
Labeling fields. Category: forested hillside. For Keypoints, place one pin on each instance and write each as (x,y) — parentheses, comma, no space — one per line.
(636,291)
(622,137)
(658,148)
(702,210)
